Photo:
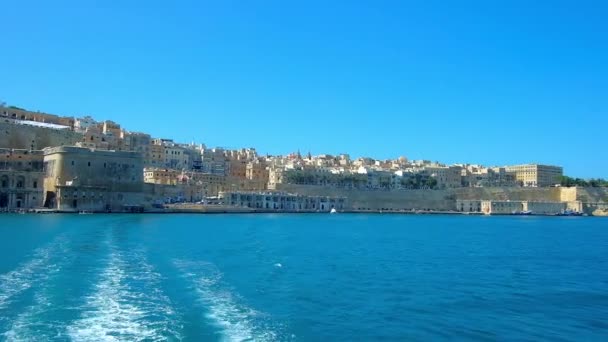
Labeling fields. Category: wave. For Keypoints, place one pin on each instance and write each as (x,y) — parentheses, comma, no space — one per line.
(226,310)
(32,272)
(127,304)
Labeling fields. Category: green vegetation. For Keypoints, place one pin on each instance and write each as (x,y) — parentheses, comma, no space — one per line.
(593,182)
(15,107)
(419,181)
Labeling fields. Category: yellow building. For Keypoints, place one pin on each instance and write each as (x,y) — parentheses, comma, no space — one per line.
(211,184)
(536,175)
(21,179)
(256,170)
(446,176)
(79,178)
(238,168)
(161,176)
(501,207)
(156,156)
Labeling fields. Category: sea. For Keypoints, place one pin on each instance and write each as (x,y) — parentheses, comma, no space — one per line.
(302,277)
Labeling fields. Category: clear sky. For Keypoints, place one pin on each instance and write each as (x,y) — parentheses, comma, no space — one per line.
(492,82)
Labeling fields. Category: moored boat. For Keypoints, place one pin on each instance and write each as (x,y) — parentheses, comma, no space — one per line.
(570,213)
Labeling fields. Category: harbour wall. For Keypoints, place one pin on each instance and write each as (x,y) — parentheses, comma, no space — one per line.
(446,199)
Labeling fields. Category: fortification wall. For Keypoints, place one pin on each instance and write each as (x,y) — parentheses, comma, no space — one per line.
(36,138)
(379,200)
(425,199)
(509,193)
(591,195)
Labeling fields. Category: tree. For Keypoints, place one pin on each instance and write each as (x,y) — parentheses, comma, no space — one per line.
(593,182)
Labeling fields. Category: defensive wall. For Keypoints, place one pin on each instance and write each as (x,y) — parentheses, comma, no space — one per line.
(592,198)
(35,138)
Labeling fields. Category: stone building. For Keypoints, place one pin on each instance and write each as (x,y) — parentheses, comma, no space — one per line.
(470,206)
(176,158)
(237,168)
(280,201)
(536,175)
(193,156)
(156,157)
(210,184)
(79,178)
(545,208)
(27,115)
(161,176)
(256,171)
(21,179)
(214,161)
(501,207)
(82,124)
(446,176)
(532,207)
(194,185)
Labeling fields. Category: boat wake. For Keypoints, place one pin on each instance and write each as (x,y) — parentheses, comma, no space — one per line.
(35,271)
(226,310)
(27,326)
(127,304)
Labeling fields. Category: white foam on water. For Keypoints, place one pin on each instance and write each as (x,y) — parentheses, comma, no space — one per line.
(26,327)
(226,310)
(29,273)
(117,311)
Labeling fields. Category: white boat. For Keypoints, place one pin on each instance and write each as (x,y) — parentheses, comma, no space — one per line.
(333,211)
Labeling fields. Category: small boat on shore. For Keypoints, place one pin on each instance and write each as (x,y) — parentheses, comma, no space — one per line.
(333,211)
(569,213)
(522,213)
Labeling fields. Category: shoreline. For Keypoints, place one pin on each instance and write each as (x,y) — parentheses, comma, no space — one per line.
(233,210)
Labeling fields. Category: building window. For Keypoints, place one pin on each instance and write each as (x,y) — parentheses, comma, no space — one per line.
(72,162)
(35,185)
(89,164)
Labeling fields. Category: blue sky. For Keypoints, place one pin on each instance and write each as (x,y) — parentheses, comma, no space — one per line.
(492,82)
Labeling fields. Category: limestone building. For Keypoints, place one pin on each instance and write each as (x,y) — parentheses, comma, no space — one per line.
(536,175)
(21,179)
(161,176)
(280,201)
(214,161)
(27,115)
(79,178)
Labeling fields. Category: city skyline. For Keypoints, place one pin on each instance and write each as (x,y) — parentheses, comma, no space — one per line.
(166,153)
(494,86)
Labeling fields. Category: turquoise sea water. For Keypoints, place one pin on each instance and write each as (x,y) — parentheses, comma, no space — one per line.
(302,278)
